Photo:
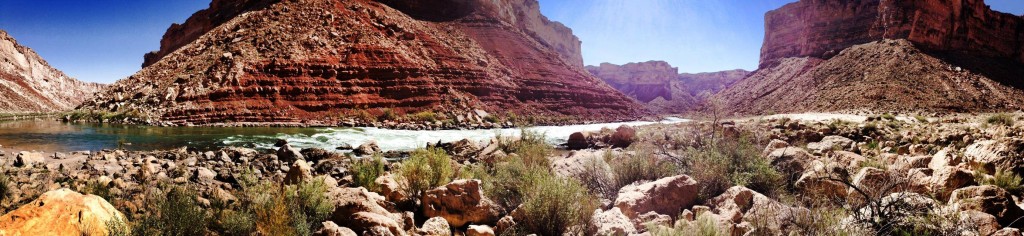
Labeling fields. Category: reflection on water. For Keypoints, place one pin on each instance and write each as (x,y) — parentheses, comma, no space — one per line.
(48,135)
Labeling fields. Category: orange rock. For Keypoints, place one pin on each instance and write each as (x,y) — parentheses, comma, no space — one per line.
(60,212)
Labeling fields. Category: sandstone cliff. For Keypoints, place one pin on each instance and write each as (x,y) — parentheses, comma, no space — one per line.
(317,61)
(29,84)
(661,87)
(823,28)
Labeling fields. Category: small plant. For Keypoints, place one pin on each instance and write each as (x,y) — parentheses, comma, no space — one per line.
(921,119)
(730,162)
(5,185)
(1000,119)
(888,116)
(117,227)
(361,115)
(387,114)
(99,189)
(704,225)
(365,172)
(1003,178)
(642,166)
(532,147)
(557,206)
(428,116)
(426,169)
(177,212)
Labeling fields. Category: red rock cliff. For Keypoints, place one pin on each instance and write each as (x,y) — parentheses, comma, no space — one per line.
(198,24)
(823,28)
(318,61)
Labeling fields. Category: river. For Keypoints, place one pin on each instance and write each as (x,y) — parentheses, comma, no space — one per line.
(54,136)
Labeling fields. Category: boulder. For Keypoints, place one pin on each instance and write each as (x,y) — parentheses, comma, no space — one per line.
(1007,232)
(817,181)
(204,175)
(852,161)
(461,150)
(944,181)
(624,136)
(943,158)
(580,140)
(299,172)
(774,144)
(830,143)
(479,230)
(668,196)
(739,204)
(905,163)
(791,160)
(612,222)
(436,226)
(461,202)
(390,189)
(288,154)
(368,148)
(364,211)
(61,212)
(991,155)
(28,159)
(314,155)
(988,199)
(331,229)
(984,223)
(577,163)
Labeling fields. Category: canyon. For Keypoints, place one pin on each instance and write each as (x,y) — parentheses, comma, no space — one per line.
(661,87)
(319,62)
(28,84)
(884,56)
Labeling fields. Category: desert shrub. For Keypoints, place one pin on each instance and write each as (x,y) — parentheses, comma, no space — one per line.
(426,169)
(361,115)
(1000,119)
(365,172)
(424,116)
(387,114)
(1003,178)
(642,166)
(5,185)
(117,227)
(315,206)
(531,147)
(921,119)
(175,213)
(597,176)
(236,222)
(99,189)
(510,180)
(730,162)
(557,206)
(888,116)
(704,225)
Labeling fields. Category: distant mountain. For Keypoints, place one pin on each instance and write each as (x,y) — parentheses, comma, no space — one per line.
(881,55)
(327,61)
(29,85)
(660,86)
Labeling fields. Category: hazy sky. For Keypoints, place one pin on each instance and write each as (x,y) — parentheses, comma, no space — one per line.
(104,40)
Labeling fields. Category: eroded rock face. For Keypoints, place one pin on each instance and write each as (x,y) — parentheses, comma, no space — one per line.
(319,61)
(988,199)
(461,202)
(823,28)
(61,212)
(665,196)
(29,84)
(661,86)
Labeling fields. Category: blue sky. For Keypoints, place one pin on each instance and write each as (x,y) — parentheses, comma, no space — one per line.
(104,40)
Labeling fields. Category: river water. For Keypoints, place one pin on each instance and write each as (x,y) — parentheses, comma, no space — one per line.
(54,136)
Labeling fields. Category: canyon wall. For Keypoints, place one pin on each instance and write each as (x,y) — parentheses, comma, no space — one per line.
(321,61)
(29,84)
(823,28)
(661,87)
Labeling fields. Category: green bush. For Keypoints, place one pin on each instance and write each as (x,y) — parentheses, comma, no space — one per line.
(387,114)
(99,189)
(426,169)
(1004,179)
(365,172)
(174,213)
(531,147)
(1000,119)
(731,162)
(642,166)
(704,225)
(424,116)
(5,185)
(315,207)
(509,181)
(117,227)
(557,206)
(236,222)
